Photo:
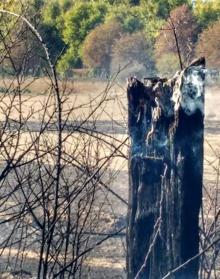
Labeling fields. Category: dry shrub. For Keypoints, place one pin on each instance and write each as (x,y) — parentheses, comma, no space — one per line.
(98,45)
(184,23)
(209,45)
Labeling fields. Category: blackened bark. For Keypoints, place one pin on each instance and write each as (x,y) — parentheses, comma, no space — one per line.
(166,128)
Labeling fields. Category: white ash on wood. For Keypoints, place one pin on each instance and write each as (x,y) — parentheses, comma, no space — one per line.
(166,126)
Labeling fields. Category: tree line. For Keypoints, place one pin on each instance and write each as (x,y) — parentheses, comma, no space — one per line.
(102,36)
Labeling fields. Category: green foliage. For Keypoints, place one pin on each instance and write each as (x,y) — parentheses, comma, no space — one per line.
(53,39)
(69,59)
(38,4)
(51,13)
(51,26)
(54,14)
(65,4)
(72,26)
(207,12)
(11,5)
(130,18)
(162,8)
(79,21)
(136,18)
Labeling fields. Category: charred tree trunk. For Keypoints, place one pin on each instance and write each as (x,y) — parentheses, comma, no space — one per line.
(165,173)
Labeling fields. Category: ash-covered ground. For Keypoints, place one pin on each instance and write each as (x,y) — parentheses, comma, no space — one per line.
(108,259)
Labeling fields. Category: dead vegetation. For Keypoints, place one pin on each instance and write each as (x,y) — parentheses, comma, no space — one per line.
(63,178)
(56,173)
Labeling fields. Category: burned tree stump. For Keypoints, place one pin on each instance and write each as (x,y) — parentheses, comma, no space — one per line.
(166,127)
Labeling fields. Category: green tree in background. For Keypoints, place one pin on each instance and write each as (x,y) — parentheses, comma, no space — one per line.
(51,26)
(79,21)
(54,40)
(23,51)
(130,18)
(207,11)
(164,7)
(69,27)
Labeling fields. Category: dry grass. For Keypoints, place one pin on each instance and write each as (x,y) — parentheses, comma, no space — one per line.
(36,86)
(79,96)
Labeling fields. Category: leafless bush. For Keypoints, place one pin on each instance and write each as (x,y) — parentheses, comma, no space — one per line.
(55,168)
(210,218)
(54,187)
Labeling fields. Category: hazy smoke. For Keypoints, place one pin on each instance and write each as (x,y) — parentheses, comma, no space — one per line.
(133,68)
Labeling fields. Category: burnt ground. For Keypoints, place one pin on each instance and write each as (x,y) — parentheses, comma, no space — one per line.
(108,260)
